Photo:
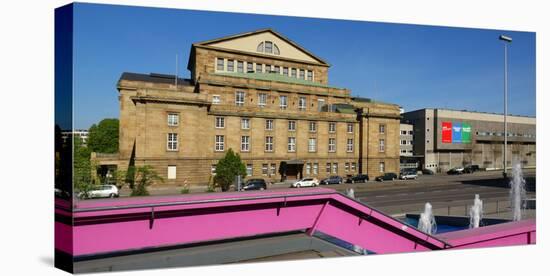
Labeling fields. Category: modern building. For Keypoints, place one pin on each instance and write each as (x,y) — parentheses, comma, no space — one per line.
(263,96)
(450,138)
(406,137)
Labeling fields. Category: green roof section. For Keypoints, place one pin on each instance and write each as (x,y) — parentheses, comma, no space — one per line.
(275,77)
(344,108)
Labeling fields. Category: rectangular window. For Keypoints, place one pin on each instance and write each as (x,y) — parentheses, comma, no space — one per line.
(334,168)
(403,142)
(349,147)
(346,167)
(273,169)
(353,166)
(291,144)
(220,64)
(283,102)
(216,99)
(248,169)
(310,75)
(285,71)
(240,66)
(410,132)
(277,69)
(220,143)
(269,143)
(172,143)
(302,103)
(381,146)
(262,99)
(239,98)
(350,128)
(403,132)
(245,123)
(245,143)
(292,125)
(259,68)
(264,169)
(249,67)
(382,167)
(269,124)
(308,168)
(312,126)
(315,168)
(320,104)
(171,174)
(267,68)
(220,122)
(331,127)
(230,65)
(293,72)
(382,128)
(302,74)
(173,119)
(312,145)
(213,169)
(328,168)
(331,144)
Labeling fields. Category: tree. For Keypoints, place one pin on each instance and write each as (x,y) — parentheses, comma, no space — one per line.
(82,172)
(144,176)
(227,169)
(103,137)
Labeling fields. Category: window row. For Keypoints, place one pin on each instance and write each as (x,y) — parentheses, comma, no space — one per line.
(219,122)
(219,143)
(239,66)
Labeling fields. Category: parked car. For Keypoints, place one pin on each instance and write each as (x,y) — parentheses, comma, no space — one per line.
(471,168)
(358,178)
(408,175)
(254,184)
(100,191)
(456,170)
(427,172)
(335,179)
(386,176)
(305,182)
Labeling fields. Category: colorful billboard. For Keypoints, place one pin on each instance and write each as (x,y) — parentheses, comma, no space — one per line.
(446,132)
(456,133)
(466,133)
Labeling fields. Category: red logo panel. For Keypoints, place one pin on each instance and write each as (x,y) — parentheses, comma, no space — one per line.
(446,132)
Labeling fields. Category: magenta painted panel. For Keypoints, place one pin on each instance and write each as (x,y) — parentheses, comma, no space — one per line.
(387,235)
(63,237)
(180,230)
(338,223)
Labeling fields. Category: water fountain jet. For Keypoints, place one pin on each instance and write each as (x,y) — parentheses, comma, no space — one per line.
(476,212)
(517,191)
(426,222)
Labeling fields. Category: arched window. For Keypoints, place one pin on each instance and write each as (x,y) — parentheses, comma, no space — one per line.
(268,47)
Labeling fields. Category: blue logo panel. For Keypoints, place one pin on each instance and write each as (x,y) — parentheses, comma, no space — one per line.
(457,133)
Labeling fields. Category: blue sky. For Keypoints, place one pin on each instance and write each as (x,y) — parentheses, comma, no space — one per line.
(410,65)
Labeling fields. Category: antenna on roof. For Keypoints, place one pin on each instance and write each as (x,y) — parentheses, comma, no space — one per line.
(176,78)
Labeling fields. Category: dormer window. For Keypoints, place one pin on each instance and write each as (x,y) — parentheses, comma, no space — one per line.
(268,47)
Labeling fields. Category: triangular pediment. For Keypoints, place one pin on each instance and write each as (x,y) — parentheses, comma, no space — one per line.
(251,42)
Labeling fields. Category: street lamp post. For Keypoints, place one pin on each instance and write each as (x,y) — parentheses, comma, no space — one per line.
(506,40)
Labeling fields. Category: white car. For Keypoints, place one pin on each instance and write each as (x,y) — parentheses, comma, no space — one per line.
(305,182)
(408,175)
(101,191)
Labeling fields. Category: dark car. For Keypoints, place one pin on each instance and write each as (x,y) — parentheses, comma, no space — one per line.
(335,179)
(471,168)
(358,178)
(254,184)
(457,170)
(386,176)
(427,172)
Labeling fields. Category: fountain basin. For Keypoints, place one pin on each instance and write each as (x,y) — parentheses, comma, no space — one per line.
(452,223)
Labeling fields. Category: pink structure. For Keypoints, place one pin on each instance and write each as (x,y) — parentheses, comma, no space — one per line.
(114,226)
